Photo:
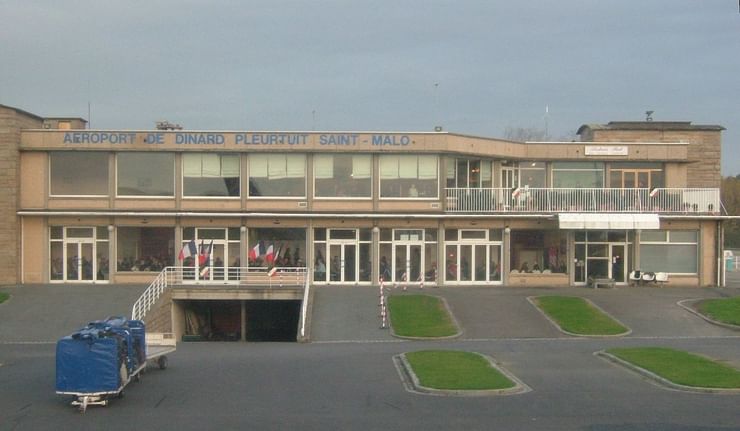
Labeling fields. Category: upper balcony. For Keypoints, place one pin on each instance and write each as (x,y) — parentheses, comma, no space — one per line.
(582,200)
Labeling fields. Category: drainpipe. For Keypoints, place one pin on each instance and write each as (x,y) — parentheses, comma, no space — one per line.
(720,255)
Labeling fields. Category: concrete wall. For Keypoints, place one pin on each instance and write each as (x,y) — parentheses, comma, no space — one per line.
(11,123)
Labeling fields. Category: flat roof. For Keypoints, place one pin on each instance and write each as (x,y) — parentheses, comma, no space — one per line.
(652,125)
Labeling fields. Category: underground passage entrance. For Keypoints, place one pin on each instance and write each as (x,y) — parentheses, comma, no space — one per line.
(247,320)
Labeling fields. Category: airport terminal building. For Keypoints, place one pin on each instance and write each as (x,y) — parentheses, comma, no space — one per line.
(355,208)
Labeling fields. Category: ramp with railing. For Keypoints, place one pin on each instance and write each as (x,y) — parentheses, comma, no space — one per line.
(229,278)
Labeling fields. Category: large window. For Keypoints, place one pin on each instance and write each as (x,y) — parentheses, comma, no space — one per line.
(206,174)
(77,173)
(578,174)
(344,176)
(532,174)
(145,174)
(672,251)
(408,176)
(469,173)
(282,247)
(538,251)
(145,248)
(636,175)
(277,175)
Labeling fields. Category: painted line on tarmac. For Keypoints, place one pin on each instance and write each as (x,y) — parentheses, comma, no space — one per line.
(541,339)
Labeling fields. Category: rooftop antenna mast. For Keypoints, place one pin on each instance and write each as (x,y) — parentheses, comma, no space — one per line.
(547,120)
(437,114)
(89,111)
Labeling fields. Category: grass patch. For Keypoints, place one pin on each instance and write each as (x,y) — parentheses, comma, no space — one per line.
(577,316)
(420,316)
(4,297)
(722,310)
(455,370)
(681,367)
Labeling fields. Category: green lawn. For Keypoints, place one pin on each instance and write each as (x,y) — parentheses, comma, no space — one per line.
(455,370)
(3,297)
(577,316)
(723,310)
(420,316)
(681,367)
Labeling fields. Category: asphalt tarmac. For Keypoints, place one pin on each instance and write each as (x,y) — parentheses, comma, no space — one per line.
(346,379)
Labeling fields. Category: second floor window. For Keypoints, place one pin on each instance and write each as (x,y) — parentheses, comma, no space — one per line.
(277,175)
(145,174)
(578,175)
(343,175)
(208,175)
(408,176)
(77,173)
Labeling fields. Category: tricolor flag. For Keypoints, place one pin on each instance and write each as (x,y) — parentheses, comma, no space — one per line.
(189,249)
(516,192)
(256,251)
(269,257)
(205,253)
(653,192)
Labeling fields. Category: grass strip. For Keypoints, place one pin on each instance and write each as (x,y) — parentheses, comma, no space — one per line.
(726,310)
(456,370)
(578,316)
(681,367)
(420,316)
(4,297)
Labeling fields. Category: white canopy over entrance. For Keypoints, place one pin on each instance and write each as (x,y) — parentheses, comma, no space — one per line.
(608,221)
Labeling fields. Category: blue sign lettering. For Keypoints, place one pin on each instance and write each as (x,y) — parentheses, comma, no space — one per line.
(99,138)
(392,140)
(200,138)
(271,139)
(338,139)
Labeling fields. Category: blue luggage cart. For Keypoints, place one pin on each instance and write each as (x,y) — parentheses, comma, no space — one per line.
(96,362)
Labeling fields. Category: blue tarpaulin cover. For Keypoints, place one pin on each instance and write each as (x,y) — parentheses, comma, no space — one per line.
(90,360)
(87,365)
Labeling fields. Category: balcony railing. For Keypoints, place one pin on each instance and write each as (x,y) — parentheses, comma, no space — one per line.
(544,200)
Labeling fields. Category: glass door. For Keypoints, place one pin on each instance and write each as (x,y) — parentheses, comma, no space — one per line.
(509,182)
(80,262)
(343,262)
(409,263)
(618,268)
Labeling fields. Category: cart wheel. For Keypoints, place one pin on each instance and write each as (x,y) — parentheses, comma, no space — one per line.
(162,362)
(83,404)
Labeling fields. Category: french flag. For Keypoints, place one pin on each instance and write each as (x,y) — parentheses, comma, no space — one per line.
(269,257)
(189,249)
(256,251)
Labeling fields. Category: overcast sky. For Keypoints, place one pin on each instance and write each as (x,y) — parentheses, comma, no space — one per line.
(474,67)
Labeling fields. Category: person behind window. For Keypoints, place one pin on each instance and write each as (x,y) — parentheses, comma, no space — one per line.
(524,267)
(320,269)
(413,191)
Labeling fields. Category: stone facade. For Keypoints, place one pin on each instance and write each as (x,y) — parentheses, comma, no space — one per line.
(11,122)
(704,150)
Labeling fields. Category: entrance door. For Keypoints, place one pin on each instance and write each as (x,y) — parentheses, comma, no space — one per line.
(617,270)
(215,268)
(509,182)
(472,263)
(409,263)
(81,265)
(342,262)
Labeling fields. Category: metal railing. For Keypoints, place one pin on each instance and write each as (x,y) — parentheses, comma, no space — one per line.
(233,277)
(552,200)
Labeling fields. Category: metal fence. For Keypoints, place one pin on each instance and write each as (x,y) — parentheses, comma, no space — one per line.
(233,277)
(550,200)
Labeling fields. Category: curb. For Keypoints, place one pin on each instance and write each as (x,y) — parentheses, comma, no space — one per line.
(411,381)
(446,337)
(622,334)
(662,381)
(687,304)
